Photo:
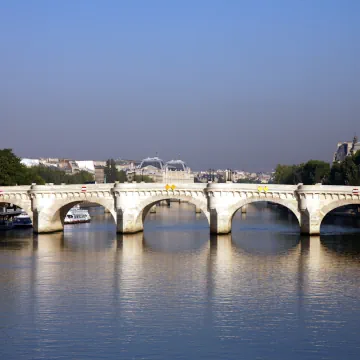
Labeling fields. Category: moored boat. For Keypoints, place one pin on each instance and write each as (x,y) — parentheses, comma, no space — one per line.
(6,219)
(22,220)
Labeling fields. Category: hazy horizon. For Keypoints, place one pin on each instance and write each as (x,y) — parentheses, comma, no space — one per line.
(225,84)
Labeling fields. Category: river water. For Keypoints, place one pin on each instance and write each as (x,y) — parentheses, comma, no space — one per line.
(175,292)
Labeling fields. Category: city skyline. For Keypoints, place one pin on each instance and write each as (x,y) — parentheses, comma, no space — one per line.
(242,85)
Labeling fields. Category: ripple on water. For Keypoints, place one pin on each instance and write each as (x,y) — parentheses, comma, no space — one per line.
(176,292)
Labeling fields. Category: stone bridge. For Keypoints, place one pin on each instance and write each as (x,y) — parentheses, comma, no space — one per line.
(129,203)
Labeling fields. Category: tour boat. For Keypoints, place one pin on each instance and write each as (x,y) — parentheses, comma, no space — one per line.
(22,220)
(6,219)
(77,216)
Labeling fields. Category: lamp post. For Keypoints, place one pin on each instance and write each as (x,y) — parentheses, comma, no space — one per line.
(142,174)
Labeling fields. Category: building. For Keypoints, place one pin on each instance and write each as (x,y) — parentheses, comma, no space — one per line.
(125,165)
(153,168)
(30,162)
(174,171)
(345,149)
(99,174)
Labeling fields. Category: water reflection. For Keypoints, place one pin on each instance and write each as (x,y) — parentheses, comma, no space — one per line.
(172,292)
(345,244)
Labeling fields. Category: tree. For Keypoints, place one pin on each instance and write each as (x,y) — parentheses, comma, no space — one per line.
(144,178)
(288,174)
(110,171)
(121,176)
(51,174)
(356,158)
(350,171)
(336,176)
(12,172)
(314,172)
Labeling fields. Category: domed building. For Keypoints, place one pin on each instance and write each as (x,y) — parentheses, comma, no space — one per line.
(152,167)
(174,171)
(155,163)
(176,165)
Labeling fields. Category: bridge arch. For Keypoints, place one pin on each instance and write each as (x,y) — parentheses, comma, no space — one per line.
(25,205)
(144,206)
(325,210)
(57,213)
(285,203)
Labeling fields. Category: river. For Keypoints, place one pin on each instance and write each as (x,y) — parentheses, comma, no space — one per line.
(175,292)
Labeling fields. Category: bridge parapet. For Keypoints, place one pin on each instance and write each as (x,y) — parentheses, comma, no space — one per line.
(13,192)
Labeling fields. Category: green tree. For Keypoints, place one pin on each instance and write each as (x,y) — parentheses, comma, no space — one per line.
(81,177)
(356,158)
(144,178)
(110,171)
(350,171)
(336,176)
(12,172)
(314,172)
(121,176)
(288,174)
(51,174)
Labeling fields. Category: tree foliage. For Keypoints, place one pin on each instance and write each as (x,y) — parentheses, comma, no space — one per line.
(58,176)
(310,173)
(110,171)
(12,172)
(313,172)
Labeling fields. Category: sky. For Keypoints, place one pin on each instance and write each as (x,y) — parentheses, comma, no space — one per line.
(241,84)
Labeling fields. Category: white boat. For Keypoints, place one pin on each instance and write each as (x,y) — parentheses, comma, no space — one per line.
(77,216)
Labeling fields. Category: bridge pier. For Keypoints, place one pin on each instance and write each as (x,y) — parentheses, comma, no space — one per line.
(220,222)
(309,223)
(43,222)
(129,222)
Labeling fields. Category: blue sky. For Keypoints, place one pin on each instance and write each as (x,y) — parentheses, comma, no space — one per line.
(240,84)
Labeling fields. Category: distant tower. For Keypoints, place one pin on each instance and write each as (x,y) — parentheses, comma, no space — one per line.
(355,140)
